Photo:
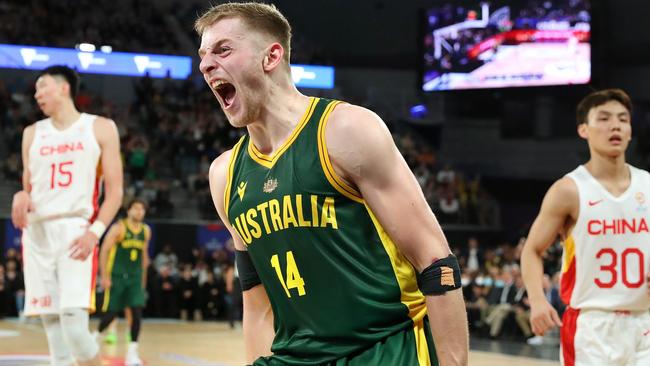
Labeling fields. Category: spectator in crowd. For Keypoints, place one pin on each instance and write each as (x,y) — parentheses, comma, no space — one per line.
(13,255)
(233,293)
(11,168)
(4,293)
(166,290)
(473,255)
(188,289)
(212,297)
(503,298)
(15,287)
(167,260)
(476,303)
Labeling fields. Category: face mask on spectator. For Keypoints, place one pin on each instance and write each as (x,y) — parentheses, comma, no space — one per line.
(487,281)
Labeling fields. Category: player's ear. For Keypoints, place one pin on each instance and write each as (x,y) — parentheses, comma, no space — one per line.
(273,56)
(582,131)
(65,89)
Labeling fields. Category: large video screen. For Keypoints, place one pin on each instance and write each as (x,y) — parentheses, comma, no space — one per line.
(506,43)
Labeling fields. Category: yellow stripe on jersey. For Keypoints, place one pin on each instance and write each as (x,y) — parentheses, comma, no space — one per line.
(424,359)
(109,269)
(404,273)
(268,161)
(569,253)
(93,301)
(229,172)
(337,182)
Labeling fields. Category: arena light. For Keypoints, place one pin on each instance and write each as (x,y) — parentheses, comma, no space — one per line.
(86,47)
(312,76)
(418,111)
(106,49)
(114,63)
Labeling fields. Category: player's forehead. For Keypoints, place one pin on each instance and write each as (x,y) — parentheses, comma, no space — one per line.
(610,107)
(231,29)
(137,205)
(44,79)
(48,79)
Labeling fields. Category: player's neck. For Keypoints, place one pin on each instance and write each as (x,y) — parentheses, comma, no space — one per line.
(602,167)
(134,224)
(65,116)
(280,116)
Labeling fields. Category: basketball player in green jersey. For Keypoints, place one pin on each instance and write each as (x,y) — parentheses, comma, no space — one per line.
(340,258)
(123,266)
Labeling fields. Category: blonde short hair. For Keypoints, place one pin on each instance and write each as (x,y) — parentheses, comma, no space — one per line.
(260,17)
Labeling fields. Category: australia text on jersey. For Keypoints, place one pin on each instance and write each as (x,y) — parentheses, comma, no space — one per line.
(277,216)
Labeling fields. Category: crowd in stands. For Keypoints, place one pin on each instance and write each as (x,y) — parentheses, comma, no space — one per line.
(201,287)
(496,300)
(12,286)
(454,196)
(125,25)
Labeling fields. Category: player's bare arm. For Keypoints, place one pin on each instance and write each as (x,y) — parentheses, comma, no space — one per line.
(258,316)
(556,217)
(22,203)
(363,153)
(112,236)
(145,255)
(111,167)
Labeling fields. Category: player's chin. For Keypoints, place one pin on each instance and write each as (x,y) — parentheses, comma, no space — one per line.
(46,111)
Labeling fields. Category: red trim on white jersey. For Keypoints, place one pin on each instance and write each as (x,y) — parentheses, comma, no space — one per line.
(568,282)
(568,334)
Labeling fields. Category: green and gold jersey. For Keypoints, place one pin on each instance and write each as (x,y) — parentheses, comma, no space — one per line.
(126,255)
(336,282)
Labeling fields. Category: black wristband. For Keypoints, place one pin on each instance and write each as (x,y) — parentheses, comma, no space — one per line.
(248,277)
(441,276)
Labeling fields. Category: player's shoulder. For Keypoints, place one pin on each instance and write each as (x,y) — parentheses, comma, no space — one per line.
(147,230)
(563,194)
(352,129)
(346,117)
(219,166)
(103,122)
(31,128)
(564,186)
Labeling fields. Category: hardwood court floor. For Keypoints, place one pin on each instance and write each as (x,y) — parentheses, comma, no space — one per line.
(175,343)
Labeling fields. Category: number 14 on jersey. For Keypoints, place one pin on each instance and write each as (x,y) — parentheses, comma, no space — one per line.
(293,278)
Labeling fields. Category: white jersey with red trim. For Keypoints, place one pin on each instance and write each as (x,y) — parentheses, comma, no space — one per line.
(63,167)
(607,255)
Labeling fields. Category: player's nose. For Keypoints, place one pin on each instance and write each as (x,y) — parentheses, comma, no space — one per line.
(207,65)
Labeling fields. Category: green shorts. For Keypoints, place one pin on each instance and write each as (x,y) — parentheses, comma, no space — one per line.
(126,291)
(411,347)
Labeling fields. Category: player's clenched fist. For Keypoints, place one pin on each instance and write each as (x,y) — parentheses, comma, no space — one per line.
(543,317)
(20,207)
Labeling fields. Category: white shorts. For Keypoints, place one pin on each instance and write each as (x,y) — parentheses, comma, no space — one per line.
(605,338)
(53,280)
